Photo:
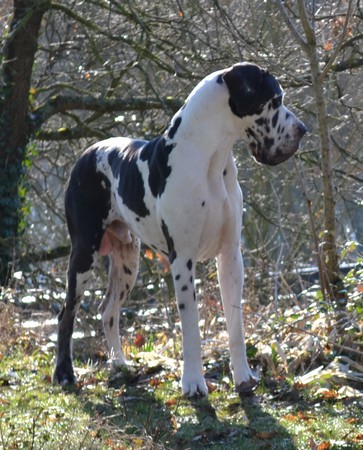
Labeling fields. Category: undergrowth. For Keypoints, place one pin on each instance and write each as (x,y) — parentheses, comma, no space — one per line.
(309,359)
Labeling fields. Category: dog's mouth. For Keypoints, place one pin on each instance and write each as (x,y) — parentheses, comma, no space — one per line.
(271,155)
(279,156)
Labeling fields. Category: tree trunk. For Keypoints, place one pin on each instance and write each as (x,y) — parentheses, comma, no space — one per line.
(330,277)
(15,127)
(328,255)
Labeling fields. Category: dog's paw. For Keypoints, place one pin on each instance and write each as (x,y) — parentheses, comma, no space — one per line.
(64,377)
(117,359)
(119,363)
(194,386)
(247,387)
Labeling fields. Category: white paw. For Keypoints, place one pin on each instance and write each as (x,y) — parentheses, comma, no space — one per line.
(194,385)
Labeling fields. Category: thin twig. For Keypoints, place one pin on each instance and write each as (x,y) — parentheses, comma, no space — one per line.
(296,33)
(340,43)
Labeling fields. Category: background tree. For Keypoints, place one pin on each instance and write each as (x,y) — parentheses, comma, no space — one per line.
(309,43)
(15,124)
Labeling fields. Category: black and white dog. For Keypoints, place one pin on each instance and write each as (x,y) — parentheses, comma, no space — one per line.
(178,194)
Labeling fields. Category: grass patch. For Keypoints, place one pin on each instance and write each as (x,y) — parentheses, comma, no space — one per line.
(310,395)
(145,410)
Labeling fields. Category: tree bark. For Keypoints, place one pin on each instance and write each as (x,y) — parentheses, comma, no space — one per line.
(328,255)
(18,58)
(329,247)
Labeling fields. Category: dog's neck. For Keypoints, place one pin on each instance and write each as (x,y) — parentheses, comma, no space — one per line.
(207,124)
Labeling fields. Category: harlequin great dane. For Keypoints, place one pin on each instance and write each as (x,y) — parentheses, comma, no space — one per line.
(178,194)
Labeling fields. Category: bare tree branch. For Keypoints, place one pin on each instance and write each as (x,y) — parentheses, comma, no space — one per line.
(343,35)
(347,64)
(64,103)
(296,33)
(45,255)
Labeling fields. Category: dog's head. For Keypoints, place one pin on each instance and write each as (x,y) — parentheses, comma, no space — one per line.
(271,130)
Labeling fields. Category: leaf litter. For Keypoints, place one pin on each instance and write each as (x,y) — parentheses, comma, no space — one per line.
(307,360)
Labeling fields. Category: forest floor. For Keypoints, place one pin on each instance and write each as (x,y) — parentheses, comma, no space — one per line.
(310,395)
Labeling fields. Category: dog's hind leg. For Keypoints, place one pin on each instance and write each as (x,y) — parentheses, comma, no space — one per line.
(80,266)
(123,251)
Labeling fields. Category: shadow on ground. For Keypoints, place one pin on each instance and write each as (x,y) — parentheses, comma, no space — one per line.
(170,421)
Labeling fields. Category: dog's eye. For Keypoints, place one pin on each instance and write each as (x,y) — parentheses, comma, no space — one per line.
(277,102)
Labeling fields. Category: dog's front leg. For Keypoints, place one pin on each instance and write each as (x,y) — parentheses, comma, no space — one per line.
(193,382)
(230,276)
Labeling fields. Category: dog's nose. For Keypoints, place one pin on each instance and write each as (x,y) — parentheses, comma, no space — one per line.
(302,129)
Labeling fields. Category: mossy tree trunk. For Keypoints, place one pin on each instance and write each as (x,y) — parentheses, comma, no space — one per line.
(15,120)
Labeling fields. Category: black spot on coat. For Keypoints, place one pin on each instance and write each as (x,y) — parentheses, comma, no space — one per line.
(156,153)
(127,271)
(174,128)
(274,119)
(169,242)
(131,186)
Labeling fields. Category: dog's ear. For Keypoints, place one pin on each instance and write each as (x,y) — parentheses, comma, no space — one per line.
(243,81)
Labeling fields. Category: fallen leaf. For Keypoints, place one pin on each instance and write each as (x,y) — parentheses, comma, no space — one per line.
(290,417)
(323,446)
(155,382)
(139,340)
(352,420)
(211,387)
(138,442)
(327,394)
(299,385)
(311,443)
(303,416)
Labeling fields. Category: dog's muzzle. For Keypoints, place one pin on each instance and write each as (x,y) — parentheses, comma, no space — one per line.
(272,151)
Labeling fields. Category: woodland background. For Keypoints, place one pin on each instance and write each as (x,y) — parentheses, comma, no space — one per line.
(103,69)
(73,72)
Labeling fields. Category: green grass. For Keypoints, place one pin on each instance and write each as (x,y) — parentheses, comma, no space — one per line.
(121,411)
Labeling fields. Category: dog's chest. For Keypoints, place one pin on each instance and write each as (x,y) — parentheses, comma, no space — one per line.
(199,217)
(199,205)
